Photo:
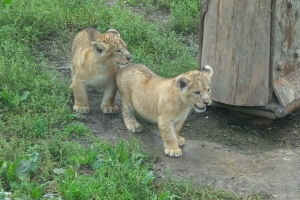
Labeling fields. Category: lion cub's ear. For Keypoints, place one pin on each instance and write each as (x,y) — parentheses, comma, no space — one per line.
(98,48)
(182,83)
(208,70)
(113,31)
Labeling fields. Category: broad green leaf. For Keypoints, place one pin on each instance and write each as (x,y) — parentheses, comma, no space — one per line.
(1,116)
(164,196)
(138,155)
(14,184)
(5,98)
(123,157)
(122,154)
(167,196)
(36,193)
(120,148)
(138,162)
(97,163)
(7,2)
(148,178)
(3,166)
(10,172)
(16,99)
(4,95)
(24,96)
(24,165)
(112,155)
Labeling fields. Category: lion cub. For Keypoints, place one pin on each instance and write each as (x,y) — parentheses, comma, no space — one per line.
(166,101)
(95,58)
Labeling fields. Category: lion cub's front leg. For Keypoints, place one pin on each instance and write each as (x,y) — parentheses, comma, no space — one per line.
(108,105)
(81,101)
(169,137)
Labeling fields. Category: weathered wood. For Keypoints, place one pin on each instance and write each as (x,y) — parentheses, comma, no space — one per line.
(286,36)
(236,43)
(248,110)
(287,89)
(203,10)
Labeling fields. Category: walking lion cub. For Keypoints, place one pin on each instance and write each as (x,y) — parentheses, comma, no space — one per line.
(166,101)
(95,58)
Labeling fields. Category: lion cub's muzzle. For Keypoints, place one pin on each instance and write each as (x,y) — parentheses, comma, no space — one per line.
(126,61)
(202,107)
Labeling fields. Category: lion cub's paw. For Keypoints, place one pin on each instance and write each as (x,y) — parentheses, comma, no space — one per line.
(134,127)
(81,109)
(173,152)
(109,109)
(180,141)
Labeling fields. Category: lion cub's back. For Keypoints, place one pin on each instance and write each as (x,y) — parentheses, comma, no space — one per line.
(83,40)
(135,74)
(139,85)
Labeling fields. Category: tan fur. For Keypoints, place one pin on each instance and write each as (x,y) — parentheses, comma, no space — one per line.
(163,101)
(95,58)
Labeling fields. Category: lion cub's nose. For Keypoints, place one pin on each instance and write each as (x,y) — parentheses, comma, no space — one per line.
(206,102)
(128,57)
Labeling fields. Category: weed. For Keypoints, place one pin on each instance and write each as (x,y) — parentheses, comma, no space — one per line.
(148,3)
(13,102)
(184,16)
(123,172)
(16,174)
(6,3)
(77,129)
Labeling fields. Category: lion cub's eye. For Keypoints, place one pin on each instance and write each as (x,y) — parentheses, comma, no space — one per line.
(99,50)
(197,93)
(119,51)
(208,90)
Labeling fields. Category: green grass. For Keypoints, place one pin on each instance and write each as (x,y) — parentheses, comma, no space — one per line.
(184,15)
(43,149)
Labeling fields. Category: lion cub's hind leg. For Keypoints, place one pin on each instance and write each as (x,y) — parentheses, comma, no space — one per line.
(180,141)
(129,118)
(177,128)
(108,105)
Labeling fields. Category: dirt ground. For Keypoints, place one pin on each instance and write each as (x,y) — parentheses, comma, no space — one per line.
(221,149)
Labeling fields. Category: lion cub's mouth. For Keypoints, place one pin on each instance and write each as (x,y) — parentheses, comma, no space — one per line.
(122,65)
(199,109)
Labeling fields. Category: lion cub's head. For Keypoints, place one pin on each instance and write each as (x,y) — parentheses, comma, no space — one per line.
(111,49)
(194,88)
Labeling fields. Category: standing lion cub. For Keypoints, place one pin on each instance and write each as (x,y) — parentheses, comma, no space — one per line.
(95,58)
(166,101)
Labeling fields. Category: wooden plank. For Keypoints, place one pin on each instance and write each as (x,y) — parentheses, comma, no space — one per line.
(253,76)
(236,43)
(286,37)
(203,10)
(287,89)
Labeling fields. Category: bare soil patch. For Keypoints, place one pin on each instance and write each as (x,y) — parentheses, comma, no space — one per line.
(221,150)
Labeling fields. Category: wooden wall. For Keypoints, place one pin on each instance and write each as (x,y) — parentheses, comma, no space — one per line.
(235,42)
